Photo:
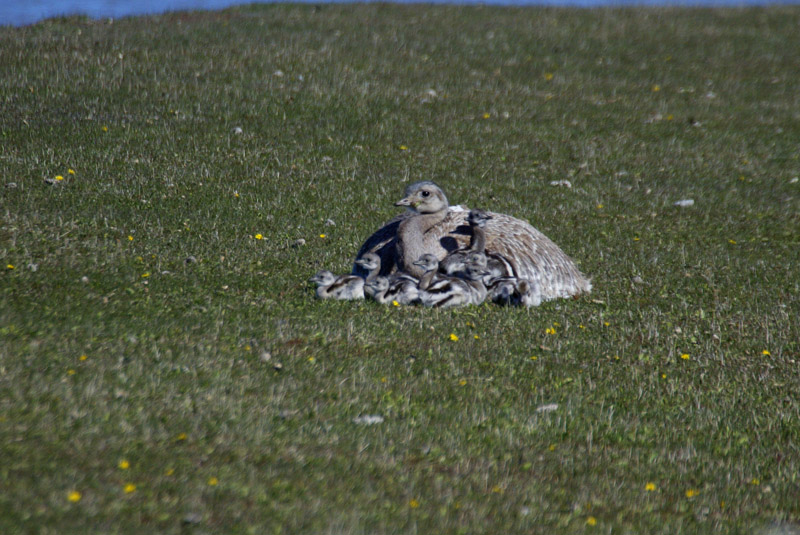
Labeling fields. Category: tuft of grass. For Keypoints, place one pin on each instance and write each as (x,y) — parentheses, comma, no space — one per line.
(141,319)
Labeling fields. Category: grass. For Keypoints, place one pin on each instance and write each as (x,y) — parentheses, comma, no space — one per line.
(231,393)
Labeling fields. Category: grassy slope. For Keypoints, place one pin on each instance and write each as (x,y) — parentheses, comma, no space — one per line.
(143,111)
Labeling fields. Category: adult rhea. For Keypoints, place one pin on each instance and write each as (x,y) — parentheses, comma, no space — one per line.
(431,226)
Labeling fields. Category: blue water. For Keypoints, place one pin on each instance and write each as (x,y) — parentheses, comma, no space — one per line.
(22,12)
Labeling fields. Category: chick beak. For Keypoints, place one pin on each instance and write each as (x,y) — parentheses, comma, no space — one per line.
(403,202)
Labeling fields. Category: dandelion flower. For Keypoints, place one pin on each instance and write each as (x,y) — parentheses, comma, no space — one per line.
(650,487)
(9,266)
(74,496)
(453,337)
(476,337)
(732,242)
(59,178)
(550,330)
(124,464)
(129,487)
(322,236)
(656,88)
(691,493)
(591,521)
(213,481)
(534,357)
(754,481)
(130,238)
(463,382)
(395,303)
(169,471)
(497,489)
(413,503)
(312,360)
(548,76)
(765,353)
(145,275)
(70,372)
(403,147)
(486,115)
(181,436)
(70,171)
(104,128)
(259,236)
(685,356)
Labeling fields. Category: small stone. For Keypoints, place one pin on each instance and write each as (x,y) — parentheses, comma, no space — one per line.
(11,185)
(85,279)
(192,518)
(330,223)
(794,180)
(278,73)
(299,243)
(561,183)
(33,267)
(277,366)
(238,130)
(265,356)
(550,407)
(683,203)
(368,419)
(637,280)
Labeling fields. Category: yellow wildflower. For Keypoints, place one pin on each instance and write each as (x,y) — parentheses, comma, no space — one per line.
(130,238)
(463,382)
(71,171)
(403,147)
(322,236)
(213,481)
(82,357)
(9,266)
(656,88)
(395,303)
(413,503)
(259,236)
(74,496)
(548,76)
(650,487)
(591,521)
(550,330)
(765,353)
(486,115)
(453,337)
(691,493)
(59,178)
(130,487)
(685,356)
(181,436)
(124,464)
(104,128)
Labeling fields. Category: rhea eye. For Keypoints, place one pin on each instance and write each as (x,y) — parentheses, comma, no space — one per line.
(426,193)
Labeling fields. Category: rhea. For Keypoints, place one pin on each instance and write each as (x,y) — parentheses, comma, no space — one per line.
(431,226)
(343,287)
(436,290)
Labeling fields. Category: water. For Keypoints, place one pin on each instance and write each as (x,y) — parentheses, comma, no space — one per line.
(22,12)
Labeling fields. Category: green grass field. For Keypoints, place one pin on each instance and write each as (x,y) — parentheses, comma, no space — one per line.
(165,367)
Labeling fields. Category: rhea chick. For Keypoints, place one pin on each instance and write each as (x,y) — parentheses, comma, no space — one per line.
(343,287)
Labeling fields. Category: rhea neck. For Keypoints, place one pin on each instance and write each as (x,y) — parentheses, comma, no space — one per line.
(411,237)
